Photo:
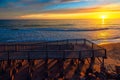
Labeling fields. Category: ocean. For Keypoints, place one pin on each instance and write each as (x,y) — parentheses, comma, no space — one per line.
(98,31)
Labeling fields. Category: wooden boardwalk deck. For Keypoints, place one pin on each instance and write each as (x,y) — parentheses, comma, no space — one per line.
(49,59)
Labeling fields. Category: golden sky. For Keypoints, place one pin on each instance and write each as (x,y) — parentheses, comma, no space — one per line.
(90,15)
(110,11)
(59,9)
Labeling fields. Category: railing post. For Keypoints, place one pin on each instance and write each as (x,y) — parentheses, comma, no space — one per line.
(8,58)
(76,41)
(29,68)
(92,60)
(67,41)
(57,42)
(46,66)
(105,53)
(8,55)
(6,48)
(79,61)
(63,54)
(84,41)
(79,54)
(28,54)
(62,74)
(103,62)
(46,46)
(93,52)
(9,62)
(46,63)
(92,45)
(102,67)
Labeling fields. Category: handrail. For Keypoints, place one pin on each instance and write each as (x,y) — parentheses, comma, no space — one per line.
(94,44)
(46,42)
(42,41)
(49,50)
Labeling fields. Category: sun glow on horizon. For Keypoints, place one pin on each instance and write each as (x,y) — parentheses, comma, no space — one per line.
(90,15)
(103,16)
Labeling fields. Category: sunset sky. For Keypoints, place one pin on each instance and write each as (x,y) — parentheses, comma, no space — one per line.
(59,9)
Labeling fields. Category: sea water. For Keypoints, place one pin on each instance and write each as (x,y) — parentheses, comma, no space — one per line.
(49,30)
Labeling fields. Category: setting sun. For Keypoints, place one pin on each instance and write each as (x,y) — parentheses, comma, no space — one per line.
(103,16)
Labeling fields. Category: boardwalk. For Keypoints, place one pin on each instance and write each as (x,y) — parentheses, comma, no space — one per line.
(55,59)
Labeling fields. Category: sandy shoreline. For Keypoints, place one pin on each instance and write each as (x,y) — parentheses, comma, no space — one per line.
(113,53)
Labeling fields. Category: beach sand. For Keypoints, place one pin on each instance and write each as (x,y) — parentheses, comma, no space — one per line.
(113,54)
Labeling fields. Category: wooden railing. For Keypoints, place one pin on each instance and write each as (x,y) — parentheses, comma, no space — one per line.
(52,49)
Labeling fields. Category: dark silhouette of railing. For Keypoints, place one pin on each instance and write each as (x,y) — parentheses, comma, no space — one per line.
(51,49)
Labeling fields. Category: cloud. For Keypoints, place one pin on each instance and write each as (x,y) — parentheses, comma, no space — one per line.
(84,10)
(20,7)
(70,0)
(112,9)
(115,6)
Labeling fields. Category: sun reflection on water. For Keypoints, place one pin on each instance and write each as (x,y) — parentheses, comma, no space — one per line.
(103,21)
(103,35)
